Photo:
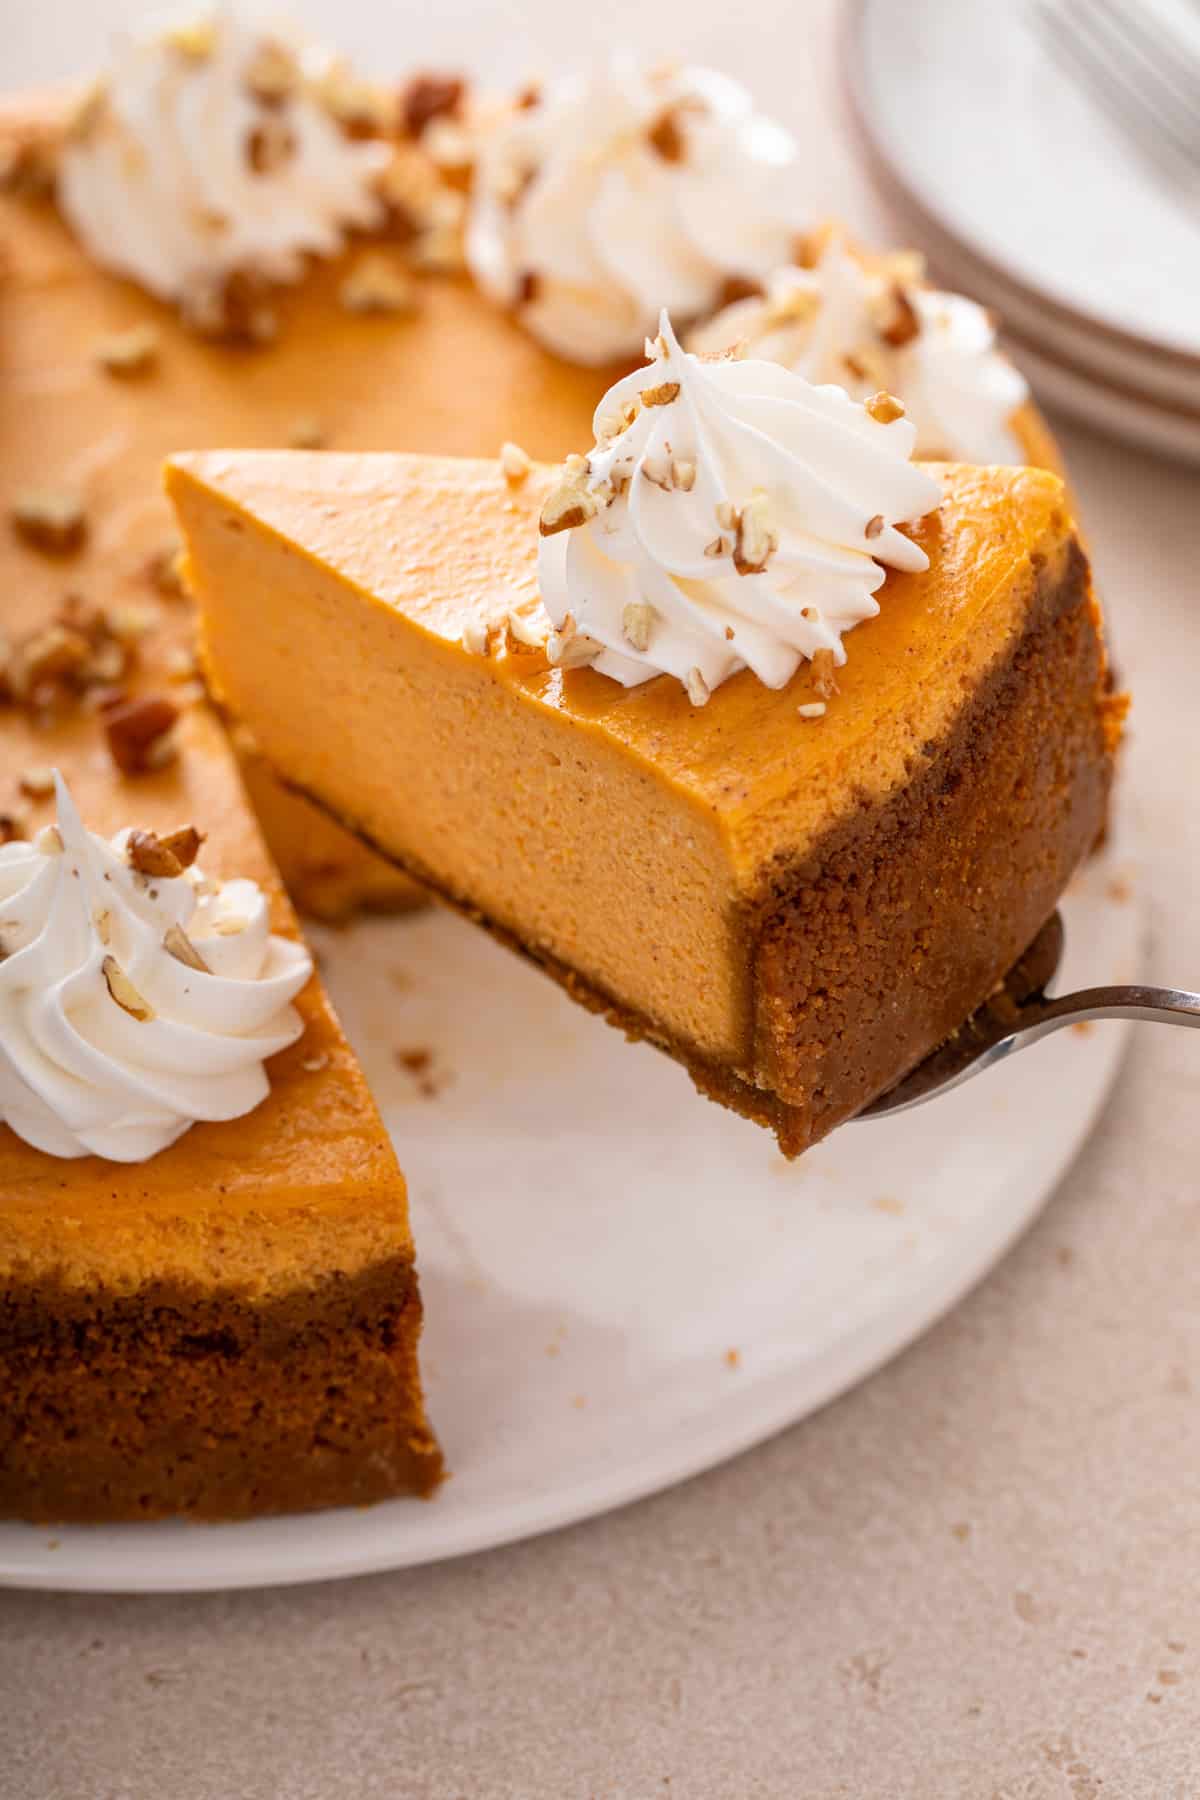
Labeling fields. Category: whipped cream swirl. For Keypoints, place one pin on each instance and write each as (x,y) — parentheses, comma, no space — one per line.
(132,1006)
(625,191)
(731,516)
(868,324)
(205,154)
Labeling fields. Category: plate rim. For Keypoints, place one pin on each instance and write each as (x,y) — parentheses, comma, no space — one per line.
(782,1397)
(853,82)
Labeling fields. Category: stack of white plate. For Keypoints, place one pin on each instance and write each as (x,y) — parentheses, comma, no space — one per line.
(1029,190)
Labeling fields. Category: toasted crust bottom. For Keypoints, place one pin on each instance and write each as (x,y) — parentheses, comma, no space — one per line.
(180,1401)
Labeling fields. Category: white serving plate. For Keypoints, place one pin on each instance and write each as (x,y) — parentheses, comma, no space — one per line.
(1027,198)
(624,1284)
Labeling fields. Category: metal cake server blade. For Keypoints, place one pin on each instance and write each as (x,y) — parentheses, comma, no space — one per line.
(1021,1013)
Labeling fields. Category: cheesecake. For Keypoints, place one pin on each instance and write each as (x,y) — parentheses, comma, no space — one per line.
(209,1322)
(234,241)
(794,862)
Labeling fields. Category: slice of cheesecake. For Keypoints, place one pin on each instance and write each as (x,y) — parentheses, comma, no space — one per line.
(231,1326)
(796,907)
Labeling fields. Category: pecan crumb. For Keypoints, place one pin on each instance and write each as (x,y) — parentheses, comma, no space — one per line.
(122,990)
(429,97)
(52,522)
(756,542)
(358,108)
(194,39)
(37,782)
(237,309)
(662,395)
(515,463)
(139,733)
(184,844)
(475,637)
(151,855)
(273,75)
(812,709)
(525,634)
(377,285)
(164,571)
(570,648)
(269,145)
(738,287)
(178,944)
(884,408)
(874,526)
(131,352)
(698,690)
(665,136)
(824,680)
(27,168)
(307,433)
(567,505)
(903,325)
(14,827)
(529,286)
(637,622)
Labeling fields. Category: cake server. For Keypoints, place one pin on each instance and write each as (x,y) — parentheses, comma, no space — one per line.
(1021,1013)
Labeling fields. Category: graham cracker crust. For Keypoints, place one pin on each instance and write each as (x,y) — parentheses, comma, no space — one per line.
(180,1400)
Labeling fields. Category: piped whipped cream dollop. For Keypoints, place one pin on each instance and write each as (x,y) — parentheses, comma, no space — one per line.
(872,323)
(731,516)
(624,191)
(132,1005)
(207,154)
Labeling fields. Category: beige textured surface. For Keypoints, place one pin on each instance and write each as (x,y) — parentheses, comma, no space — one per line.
(975,1576)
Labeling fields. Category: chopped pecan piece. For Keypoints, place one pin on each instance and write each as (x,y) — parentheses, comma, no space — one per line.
(178,944)
(566,506)
(529,286)
(429,97)
(665,136)
(270,145)
(27,167)
(515,463)
(37,782)
(132,352)
(165,856)
(164,571)
(739,287)
(824,680)
(884,408)
(238,309)
(903,323)
(52,522)
(122,990)
(377,285)
(139,733)
(273,75)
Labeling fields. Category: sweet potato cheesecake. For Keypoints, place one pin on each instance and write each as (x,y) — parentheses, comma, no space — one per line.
(208,1300)
(765,741)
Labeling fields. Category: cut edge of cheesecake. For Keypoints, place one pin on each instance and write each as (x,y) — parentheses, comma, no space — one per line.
(832,958)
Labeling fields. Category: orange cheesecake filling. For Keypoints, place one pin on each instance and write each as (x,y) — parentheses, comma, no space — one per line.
(623,834)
